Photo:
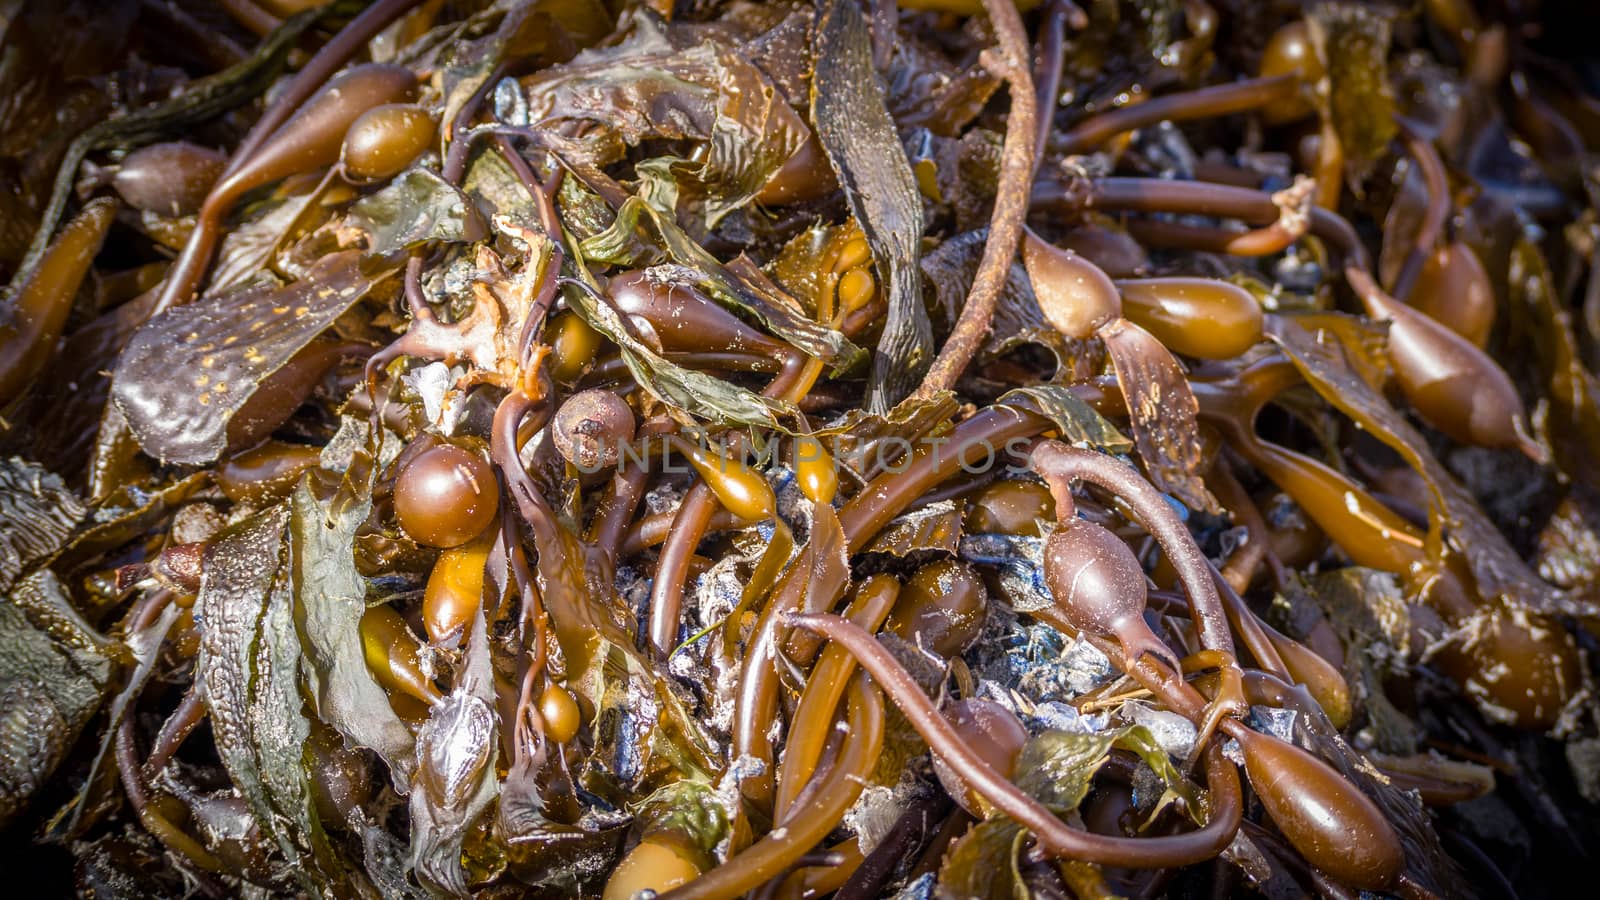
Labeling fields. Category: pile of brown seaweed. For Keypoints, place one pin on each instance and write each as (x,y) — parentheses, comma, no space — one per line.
(935,449)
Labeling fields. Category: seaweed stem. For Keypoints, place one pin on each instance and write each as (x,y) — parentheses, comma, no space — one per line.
(824,688)
(190,713)
(1056,838)
(1157,195)
(1017,163)
(1061,465)
(1434,214)
(1058,16)
(809,824)
(1201,103)
(1294,204)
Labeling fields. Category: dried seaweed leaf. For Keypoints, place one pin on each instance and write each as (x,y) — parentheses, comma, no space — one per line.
(329,599)
(249,674)
(1057,767)
(853,123)
(1077,423)
(865,443)
(949,271)
(187,372)
(1163,410)
(1366,609)
(144,649)
(455,782)
(53,676)
(935,527)
(37,513)
(416,208)
(1574,391)
(780,313)
(709,92)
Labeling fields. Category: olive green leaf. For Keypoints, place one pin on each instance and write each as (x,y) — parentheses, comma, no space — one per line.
(688,809)
(416,208)
(1353,41)
(982,865)
(329,598)
(1076,421)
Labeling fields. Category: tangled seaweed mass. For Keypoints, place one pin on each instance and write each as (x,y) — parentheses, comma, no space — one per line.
(707,449)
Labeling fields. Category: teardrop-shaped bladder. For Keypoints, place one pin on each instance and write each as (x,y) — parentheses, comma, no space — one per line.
(995,734)
(1324,682)
(1451,383)
(315,135)
(1100,589)
(1454,290)
(1075,295)
(738,487)
(678,317)
(815,470)
(170,179)
(1201,317)
(1291,51)
(37,311)
(1325,817)
(942,608)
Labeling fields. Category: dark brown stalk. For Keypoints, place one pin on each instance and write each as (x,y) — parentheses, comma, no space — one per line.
(461,137)
(651,530)
(190,713)
(689,525)
(1058,15)
(1241,566)
(1294,204)
(1249,627)
(1017,161)
(922,819)
(252,17)
(1199,198)
(812,821)
(213,48)
(1203,103)
(455,165)
(1056,839)
(890,494)
(627,486)
(508,416)
(1061,465)
(543,194)
(171,836)
(1431,228)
